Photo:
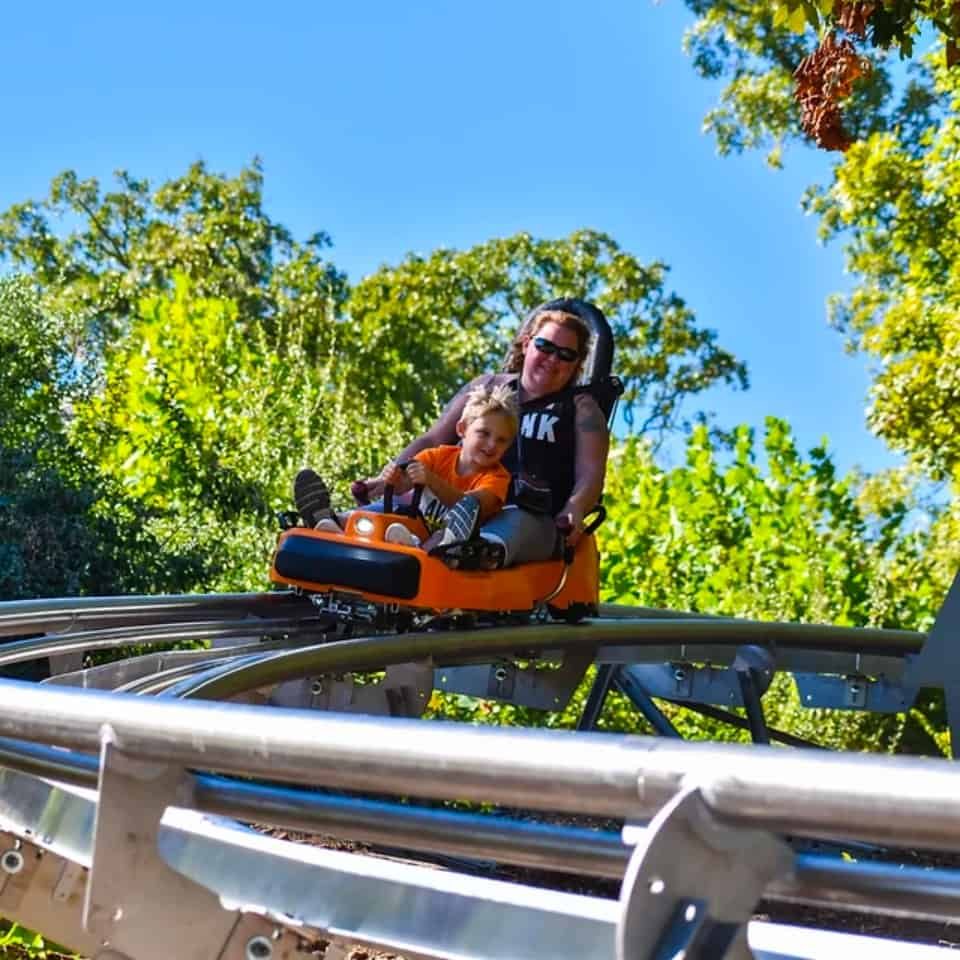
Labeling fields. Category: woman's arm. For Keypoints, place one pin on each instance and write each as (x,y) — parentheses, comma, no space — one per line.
(592,447)
(444,429)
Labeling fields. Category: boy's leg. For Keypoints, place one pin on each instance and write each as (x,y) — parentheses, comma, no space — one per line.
(312,499)
(460,523)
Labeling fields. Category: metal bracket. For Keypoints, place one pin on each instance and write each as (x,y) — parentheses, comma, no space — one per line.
(853,692)
(403,692)
(679,680)
(692,884)
(136,904)
(544,689)
(938,663)
(18,864)
(254,939)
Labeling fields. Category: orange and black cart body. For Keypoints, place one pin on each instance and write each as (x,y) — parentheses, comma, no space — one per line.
(360,562)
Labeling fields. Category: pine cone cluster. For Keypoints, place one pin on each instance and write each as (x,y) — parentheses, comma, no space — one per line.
(823,79)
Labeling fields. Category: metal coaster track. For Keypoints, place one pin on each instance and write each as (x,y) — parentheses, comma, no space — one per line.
(80,769)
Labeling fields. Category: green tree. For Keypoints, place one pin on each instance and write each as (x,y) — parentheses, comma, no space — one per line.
(757,47)
(202,424)
(791,542)
(59,530)
(892,201)
(895,200)
(724,536)
(436,321)
(129,242)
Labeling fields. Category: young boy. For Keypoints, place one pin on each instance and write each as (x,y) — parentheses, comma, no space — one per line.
(463,485)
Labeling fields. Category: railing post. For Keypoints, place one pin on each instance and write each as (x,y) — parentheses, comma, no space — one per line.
(692,884)
(136,905)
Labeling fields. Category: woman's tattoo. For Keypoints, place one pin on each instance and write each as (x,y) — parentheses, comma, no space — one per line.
(591,420)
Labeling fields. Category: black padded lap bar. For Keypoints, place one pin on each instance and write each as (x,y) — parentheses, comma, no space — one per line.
(349,566)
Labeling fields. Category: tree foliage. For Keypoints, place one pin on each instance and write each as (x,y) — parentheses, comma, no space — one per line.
(896,202)
(791,541)
(892,200)
(203,425)
(436,321)
(54,539)
(723,535)
(187,429)
(757,47)
(128,242)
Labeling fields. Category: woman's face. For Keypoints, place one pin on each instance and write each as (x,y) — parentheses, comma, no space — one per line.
(544,372)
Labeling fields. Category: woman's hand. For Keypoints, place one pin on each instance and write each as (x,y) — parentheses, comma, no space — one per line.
(570,520)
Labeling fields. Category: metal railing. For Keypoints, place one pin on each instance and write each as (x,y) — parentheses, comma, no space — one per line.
(121,816)
(740,798)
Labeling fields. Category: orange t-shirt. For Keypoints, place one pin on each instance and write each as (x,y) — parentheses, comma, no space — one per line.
(443,462)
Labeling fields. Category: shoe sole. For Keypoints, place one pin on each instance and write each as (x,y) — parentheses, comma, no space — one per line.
(311,497)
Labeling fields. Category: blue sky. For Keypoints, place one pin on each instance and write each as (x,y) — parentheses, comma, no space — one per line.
(405,127)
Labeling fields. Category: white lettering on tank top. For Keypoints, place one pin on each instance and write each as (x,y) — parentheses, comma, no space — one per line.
(545,432)
(539,426)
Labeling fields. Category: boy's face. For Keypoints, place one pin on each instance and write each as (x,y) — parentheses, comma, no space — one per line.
(485,440)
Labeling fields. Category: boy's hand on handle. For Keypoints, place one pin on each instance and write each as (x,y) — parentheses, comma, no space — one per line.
(392,474)
(417,473)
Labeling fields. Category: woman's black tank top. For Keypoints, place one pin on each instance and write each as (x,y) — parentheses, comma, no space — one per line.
(545,446)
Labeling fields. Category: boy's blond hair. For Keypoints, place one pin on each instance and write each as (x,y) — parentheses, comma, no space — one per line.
(500,399)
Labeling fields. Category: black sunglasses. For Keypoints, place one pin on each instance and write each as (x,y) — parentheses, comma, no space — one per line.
(566,354)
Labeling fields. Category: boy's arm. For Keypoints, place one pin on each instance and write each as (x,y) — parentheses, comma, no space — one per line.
(446,493)
(489,496)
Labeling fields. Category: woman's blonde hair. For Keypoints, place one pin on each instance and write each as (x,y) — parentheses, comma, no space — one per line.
(514,359)
(500,399)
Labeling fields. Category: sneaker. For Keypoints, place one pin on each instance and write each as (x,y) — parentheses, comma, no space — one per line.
(328,525)
(461,523)
(398,533)
(312,498)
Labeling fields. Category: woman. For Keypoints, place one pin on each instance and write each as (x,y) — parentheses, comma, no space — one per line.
(559,457)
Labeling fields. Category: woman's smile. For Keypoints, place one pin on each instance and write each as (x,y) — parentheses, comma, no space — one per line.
(544,372)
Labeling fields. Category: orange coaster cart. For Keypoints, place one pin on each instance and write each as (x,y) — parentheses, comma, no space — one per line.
(357,573)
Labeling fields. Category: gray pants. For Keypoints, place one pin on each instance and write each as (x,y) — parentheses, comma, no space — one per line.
(526,537)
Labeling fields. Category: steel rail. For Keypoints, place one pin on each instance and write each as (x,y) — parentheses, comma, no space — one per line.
(900,801)
(133,674)
(62,614)
(882,888)
(433,831)
(19,651)
(162,679)
(371,653)
(67,613)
